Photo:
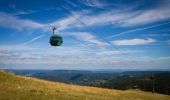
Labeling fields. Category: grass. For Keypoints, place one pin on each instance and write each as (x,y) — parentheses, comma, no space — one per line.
(25,88)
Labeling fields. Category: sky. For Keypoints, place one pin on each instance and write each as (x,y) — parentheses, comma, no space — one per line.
(97,34)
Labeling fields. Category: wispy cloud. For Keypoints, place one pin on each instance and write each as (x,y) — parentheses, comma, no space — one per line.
(168,42)
(124,18)
(71,3)
(94,3)
(65,23)
(34,39)
(114,52)
(127,18)
(9,21)
(51,56)
(19,11)
(146,17)
(114,17)
(139,29)
(134,41)
(159,13)
(158,35)
(77,57)
(88,37)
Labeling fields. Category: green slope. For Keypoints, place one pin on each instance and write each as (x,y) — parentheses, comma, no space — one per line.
(24,88)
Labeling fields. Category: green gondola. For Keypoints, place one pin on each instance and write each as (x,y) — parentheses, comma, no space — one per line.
(56,40)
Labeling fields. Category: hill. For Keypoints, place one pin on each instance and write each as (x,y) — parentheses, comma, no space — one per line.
(113,79)
(14,87)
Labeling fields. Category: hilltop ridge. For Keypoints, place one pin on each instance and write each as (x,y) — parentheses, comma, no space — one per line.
(14,87)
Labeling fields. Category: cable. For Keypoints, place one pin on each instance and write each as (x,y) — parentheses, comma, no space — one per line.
(83,44)
(82,23)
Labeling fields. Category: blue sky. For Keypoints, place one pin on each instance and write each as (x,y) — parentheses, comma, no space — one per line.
(97,34)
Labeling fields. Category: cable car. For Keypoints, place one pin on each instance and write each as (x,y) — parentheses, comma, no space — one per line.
(56,40)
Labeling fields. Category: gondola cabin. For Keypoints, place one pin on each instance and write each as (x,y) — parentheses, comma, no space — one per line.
(56,40)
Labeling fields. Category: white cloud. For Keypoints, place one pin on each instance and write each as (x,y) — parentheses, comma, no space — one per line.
(78,57)
(94,3)
(117,17)
(14,22)
(9,21)
(164,58)
(148,16)
(113,52)
(104,18)
(159,13)
(123,18)
(14,55)
(65,23)
(88,37)
(126,18)
(23,12)
(134,41)
(71,3)
(158,35)
(168,42)
(138,29)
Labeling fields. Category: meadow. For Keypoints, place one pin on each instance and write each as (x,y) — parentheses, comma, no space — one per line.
(14,87)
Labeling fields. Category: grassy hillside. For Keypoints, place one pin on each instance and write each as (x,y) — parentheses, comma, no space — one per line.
(23,88)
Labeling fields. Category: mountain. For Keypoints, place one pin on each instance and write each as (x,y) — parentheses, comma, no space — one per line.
(14,87)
